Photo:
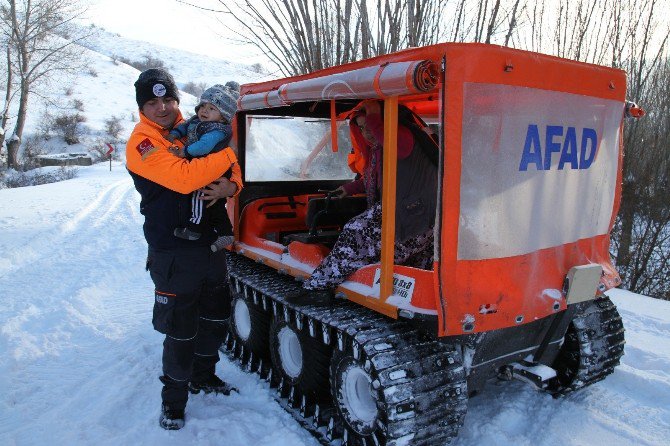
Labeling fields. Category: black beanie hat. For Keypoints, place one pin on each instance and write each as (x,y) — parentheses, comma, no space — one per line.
(154,83)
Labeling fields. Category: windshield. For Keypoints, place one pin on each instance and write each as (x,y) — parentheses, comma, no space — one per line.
(288,148)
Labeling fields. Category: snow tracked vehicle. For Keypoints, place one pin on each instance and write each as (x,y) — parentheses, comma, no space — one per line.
(529,171)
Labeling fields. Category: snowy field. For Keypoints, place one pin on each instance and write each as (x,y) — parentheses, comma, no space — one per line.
(80,361)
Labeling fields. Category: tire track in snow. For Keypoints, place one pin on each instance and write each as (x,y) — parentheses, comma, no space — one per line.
(78,263)
(115,192)
(46,242)
(516,414)
(79,341)
(87,313)
(44,275)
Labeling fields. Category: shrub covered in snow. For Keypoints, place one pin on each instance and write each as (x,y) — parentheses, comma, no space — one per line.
(68,126)
(11,178)
(113,126)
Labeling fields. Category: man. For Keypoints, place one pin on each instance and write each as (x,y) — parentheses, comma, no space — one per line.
(192,299)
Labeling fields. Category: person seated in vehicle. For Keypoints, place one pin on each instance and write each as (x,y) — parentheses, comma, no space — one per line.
(359,243)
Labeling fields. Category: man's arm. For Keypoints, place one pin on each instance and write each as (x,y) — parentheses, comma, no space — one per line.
(148,157)
(223,187)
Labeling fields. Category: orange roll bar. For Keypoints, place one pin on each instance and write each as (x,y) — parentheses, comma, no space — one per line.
(388,196)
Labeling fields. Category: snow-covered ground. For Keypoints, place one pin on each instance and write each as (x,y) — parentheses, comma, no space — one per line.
(80,361)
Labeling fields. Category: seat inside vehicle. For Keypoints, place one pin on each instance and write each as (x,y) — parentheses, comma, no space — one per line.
(325,218)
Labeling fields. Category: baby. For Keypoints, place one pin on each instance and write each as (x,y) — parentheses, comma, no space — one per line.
(207,132)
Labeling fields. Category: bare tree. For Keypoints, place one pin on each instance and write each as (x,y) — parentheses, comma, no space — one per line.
(641,240)
(487,21)
(420,30)
(572,29)
(640,48)
(513,19)
(301,36)
(37,53)
(535,36)
(4,114)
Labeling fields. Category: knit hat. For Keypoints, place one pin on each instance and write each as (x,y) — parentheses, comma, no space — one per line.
(155,83)
(234,86)
(221,97)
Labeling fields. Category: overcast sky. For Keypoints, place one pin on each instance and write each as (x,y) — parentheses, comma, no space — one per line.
(173,24)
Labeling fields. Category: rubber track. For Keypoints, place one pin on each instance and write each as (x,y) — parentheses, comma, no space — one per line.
(420,382)
(600,335)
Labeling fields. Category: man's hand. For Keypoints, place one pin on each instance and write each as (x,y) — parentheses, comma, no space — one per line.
(221,188)
(177,151)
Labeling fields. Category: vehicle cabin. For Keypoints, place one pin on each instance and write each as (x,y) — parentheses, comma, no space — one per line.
(529,180)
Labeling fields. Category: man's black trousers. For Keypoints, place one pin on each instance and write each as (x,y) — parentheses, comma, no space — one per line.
(192,303)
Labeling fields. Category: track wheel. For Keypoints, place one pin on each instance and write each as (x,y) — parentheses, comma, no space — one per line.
(352,391)
(249,325)
(592,347)
(302,361)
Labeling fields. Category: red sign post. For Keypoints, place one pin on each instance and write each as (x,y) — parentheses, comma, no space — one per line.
(109,153)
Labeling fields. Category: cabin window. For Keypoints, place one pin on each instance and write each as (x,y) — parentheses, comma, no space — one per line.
(289,148)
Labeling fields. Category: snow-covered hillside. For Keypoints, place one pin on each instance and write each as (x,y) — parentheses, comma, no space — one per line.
(184,65)
(80,360)
(104,89)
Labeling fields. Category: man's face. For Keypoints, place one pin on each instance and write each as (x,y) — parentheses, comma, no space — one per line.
(163,111)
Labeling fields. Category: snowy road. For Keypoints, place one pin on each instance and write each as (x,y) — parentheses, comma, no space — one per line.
(80,361)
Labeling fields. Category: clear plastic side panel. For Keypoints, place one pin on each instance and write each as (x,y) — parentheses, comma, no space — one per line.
(539,169)
(295,149)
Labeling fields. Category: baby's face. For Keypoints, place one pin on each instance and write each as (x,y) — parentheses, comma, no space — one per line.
(207,112)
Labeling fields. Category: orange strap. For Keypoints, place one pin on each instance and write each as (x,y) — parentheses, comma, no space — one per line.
(375,82)
(333,125)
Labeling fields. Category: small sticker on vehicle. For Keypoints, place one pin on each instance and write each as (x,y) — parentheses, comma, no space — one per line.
(403,286)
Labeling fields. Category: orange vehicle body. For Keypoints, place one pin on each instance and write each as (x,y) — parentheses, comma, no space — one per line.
(478,283)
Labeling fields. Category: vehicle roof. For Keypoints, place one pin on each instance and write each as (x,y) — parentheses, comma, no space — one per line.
(474,53)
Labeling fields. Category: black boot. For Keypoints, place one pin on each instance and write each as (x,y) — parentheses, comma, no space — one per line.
(171,419)
(211,384)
